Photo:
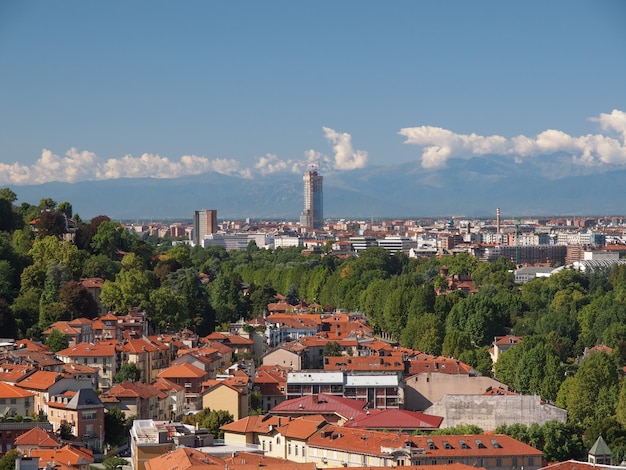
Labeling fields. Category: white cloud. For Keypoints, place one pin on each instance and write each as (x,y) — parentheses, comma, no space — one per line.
(83,165)
(272,164)
(440,145)
(345,157)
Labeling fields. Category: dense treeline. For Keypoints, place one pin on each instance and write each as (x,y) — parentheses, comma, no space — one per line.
(408,299)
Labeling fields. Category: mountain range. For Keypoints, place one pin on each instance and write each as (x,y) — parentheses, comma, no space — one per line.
(471,187)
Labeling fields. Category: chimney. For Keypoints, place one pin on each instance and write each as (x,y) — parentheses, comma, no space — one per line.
(498,220)
(314,399)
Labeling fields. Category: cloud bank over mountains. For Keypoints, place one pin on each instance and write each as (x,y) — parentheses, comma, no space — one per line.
(592,151)
(440,145)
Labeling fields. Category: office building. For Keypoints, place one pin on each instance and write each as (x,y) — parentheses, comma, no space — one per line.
(204,223)
(313,214)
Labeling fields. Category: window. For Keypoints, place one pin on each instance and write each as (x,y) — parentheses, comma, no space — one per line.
(270,446)
(87,415)
(289,449)
(498,462)
(296,449)
(514,462)
(263,446)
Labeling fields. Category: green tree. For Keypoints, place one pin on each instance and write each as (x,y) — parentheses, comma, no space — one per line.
(212,421)
(332,349)
(7,462)
(227,299)
(78,301)
(51,223)
(57,341)
(292,296)
(260,297)
(113,462)
(116,427)
(129,372)
(65,208)
(196,310)
(131,288)
(459,429)
(166,311)
(595,374)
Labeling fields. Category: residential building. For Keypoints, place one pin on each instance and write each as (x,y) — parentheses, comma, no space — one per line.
(147,356)
(502,344)
(106,327)
(76,331)
(137,399)
(12,430)
(271,382)
(36,438)
(335,446)
(84,411)
(176,398)
(227,395)
(15,401)
(204,223)
(191,378)
(45,385)
(379,390)
(101,355)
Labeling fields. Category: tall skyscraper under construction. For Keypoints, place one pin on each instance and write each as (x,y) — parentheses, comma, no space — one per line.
(204,223)
(312,216)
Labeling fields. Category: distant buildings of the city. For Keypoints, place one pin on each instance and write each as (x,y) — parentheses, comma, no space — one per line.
(546,242)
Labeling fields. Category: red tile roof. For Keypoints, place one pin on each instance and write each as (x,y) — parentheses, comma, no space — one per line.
(73,456)
(395,419)
(182,371)
(40,380)
(99,349)
(438,446)
(365,363)
(441,364)
(9,391)
(322,404)
(37,437)
(184,459)
(302,427)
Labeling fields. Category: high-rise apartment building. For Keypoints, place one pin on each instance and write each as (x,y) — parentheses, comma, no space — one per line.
(204,223)
(312,216)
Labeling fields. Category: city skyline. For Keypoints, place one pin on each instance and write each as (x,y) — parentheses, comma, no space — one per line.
(96,91)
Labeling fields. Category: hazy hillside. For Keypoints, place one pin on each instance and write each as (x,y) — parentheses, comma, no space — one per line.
(468,187)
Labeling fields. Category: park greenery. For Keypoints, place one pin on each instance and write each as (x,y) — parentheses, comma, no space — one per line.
(559,317)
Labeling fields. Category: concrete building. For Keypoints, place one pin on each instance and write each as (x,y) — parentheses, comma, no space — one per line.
(362,243)
(204,223)
(490,411)
(312,217)
(424,389)
(396,243)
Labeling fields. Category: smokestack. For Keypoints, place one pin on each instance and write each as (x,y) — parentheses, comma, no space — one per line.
(498,220)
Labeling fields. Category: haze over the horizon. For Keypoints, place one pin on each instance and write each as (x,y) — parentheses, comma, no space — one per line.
(104,90)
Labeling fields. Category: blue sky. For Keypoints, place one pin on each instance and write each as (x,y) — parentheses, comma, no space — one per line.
(95,90)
